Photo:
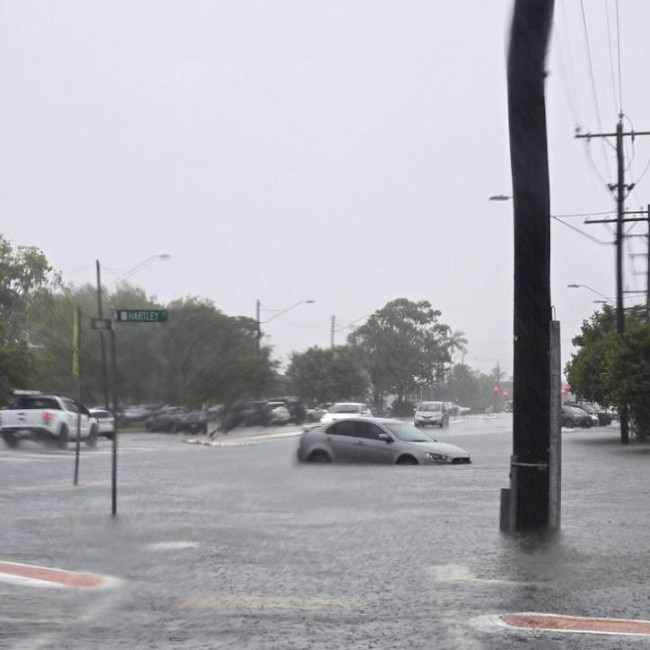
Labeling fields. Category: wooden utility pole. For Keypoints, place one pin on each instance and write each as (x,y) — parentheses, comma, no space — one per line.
(527,503)
(620,220)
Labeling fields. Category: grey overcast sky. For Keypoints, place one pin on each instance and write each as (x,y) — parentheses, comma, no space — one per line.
(335,150)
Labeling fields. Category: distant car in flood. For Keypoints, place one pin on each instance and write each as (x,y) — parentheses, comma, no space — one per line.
(572,417)
(431,414)
(341,410)
(105,422)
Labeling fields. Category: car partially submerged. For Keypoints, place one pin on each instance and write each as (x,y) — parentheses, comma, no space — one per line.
(377,440)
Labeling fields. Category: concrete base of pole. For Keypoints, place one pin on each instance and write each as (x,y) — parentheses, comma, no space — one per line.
(504,518)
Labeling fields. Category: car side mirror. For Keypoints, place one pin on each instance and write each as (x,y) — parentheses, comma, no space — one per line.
(385,437)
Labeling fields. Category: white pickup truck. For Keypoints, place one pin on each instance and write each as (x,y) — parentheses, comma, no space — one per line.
(49,418)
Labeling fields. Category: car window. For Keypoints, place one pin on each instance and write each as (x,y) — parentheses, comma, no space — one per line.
(367,430)
(431,406)
(23,402)
(408,433)
(345,408)
(342,428)
(70,405)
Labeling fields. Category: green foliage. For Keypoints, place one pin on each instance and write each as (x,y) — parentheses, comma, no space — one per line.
(24,274)
(403,347)
(614,369)
(200,356)
(331,375)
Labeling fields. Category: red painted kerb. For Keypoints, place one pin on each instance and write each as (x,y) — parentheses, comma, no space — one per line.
(56,576)
(577,623)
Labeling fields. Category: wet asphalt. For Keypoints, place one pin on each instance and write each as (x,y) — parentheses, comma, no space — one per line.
(236,546)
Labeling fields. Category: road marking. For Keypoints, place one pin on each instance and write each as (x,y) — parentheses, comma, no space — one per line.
(172,546)
(268,602)
(39,576)
(56,487)
(240,442)
(451,573)
(580,624)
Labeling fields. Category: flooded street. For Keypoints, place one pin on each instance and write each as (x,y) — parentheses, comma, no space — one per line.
(239,547)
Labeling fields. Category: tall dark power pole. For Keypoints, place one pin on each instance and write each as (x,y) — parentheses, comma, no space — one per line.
(527,505)
(620,220)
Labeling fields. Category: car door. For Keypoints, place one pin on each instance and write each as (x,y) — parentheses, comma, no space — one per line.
(342,441)
(367,446)
(76,416)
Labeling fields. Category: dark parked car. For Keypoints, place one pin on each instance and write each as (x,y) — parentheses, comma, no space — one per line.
(192,422)
(166,419)
(572,417)
(376,440)
(603,415)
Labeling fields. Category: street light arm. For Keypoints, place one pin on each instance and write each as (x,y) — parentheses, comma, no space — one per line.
(584,286)
(284,311)
(139,267)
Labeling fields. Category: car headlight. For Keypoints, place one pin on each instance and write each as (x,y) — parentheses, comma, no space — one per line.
(438,458)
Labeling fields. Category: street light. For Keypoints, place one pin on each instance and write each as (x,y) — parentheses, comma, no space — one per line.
(258,308)
(135,269)
(584,286)
(499,197)
(139,267)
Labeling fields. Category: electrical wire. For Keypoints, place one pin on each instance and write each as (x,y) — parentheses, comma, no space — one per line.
(592,78)
(568,225)
(611,54)
(620,67)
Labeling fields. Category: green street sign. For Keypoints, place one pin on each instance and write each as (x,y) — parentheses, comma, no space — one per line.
(101,323)
(141,315)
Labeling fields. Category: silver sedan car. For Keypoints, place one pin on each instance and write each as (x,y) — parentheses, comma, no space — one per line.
(378,440)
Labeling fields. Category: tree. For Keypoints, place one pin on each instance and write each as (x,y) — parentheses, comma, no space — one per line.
(211,357)
(327,375)
(613,368)
(457,342)
(24,274)
(403,346)
(463,387)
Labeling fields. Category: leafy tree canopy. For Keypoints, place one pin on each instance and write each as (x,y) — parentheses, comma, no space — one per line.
(403,345)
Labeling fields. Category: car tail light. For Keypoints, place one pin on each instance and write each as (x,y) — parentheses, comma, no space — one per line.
(47,417)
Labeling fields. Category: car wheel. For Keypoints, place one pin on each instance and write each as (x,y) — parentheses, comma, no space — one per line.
(62,438)
(588,424)
(10,441)
(319,456)
(406,460)
(91,440)
(569,423)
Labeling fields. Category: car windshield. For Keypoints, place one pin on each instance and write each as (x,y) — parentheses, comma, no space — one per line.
(431,406)
(408,433)
(345,408)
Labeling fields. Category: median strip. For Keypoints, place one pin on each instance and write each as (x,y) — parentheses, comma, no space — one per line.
(584,624)
(46,577)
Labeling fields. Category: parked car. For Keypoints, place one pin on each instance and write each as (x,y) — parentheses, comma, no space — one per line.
(375,440)
(315,413)
(602,416)
(572,417)
(431,414)
(105,422)
(276,413)
(341,410)
(136,414)
(191,422)
(165,419)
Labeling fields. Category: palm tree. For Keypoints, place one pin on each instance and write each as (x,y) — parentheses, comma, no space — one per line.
(457,342)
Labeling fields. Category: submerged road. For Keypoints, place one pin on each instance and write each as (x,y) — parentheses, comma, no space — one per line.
(236,546)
